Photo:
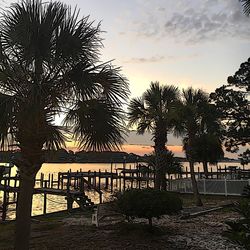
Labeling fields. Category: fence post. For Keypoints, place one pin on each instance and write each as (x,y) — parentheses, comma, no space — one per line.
(225,186)
(185,187)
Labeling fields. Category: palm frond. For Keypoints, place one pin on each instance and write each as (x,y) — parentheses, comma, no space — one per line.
(55,137)
(102,81)
(246,6)
(97,125)
(136,111)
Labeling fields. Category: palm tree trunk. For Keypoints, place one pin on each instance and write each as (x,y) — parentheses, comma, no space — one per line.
(157,179)
(160,168)
(205,168)
(194,185)
(23,213)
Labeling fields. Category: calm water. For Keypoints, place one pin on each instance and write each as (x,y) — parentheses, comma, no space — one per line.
(56,203)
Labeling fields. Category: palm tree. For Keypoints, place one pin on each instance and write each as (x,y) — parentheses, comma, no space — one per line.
(188,123)
(207,149)
(208,141)
(172,165)
(153,112)
(246,6)
(49,66)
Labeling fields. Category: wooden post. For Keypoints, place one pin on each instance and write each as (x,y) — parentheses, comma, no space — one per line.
(116,174)
(99,180)
(41,180)
(4,205)
(48,182)
(58,180)
(81,185)
(124,181)
(52,181)
(45,203)
(69,203)
(68,182)
(62,177)
(100,198)
(89,178)
(120,183)
(106,180)
(111,182)
(95,179)
(186,172)
(111,167)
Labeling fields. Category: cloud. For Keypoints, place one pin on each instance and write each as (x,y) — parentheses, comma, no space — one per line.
(156,59)
(195,21)
(153,59)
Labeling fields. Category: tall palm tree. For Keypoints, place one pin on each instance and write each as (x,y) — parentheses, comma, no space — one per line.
(153,112)
(49,65)
(188,125)
(208,142)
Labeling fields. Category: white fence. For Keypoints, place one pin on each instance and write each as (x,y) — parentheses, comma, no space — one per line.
(210,186)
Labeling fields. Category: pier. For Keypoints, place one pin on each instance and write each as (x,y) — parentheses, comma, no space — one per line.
(75,186)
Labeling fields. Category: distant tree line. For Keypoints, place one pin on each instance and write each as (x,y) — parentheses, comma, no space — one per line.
(64,156)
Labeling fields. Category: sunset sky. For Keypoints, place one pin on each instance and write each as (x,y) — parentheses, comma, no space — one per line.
(180,42)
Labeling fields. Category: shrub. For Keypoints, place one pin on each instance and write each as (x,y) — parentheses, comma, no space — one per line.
(239,231)
(148,203)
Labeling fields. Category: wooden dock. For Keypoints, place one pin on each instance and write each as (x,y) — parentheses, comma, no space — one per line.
(75,186)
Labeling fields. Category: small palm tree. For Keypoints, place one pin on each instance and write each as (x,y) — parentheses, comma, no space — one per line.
(207,149)
(49,66)
(154,112)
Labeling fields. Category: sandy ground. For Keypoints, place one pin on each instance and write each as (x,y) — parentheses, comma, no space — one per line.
(76,232)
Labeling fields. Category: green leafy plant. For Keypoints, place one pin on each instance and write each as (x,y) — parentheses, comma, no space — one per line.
(148,203)
(239,231)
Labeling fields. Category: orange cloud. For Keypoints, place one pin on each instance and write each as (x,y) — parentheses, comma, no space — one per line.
(144,149)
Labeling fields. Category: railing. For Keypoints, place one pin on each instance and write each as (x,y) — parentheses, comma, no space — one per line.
(210,186)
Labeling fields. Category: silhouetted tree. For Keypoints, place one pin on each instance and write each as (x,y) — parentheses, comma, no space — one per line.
(153,112)
(49,65)
(245,157)
(232,101)
(188,125)
(207,149)
(171,166)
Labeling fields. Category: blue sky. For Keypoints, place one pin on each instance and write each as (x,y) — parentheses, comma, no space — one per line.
(180,42)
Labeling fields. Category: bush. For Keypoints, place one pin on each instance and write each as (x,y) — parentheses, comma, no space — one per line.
(239,231)
(148,203)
